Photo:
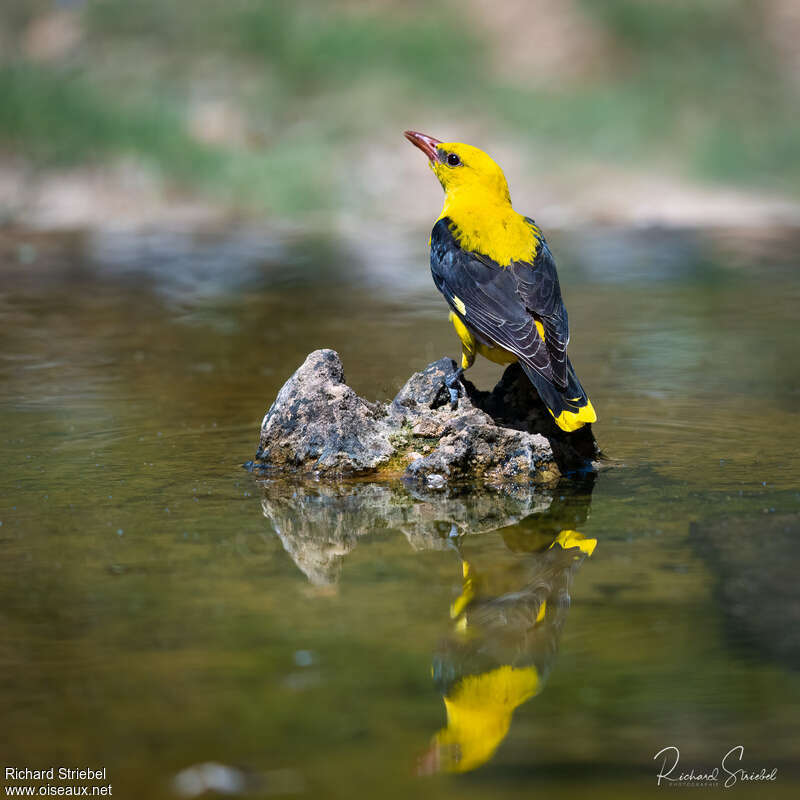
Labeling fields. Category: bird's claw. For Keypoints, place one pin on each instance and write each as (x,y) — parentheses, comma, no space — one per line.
(454,394)
(453,540)
(454,388)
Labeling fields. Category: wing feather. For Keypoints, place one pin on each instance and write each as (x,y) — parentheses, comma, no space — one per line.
(503,305)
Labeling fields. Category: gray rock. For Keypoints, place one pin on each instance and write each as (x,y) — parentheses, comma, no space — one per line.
(318,425)
(470,447)
(424,390)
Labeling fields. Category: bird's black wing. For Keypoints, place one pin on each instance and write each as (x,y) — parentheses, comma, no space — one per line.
(537,284)
(502,305)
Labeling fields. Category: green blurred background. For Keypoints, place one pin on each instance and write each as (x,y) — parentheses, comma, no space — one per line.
(662,110)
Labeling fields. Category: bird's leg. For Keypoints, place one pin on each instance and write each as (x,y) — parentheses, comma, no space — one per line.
(454,537)
(452,383)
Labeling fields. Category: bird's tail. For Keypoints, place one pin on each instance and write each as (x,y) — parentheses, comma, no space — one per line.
(571,409)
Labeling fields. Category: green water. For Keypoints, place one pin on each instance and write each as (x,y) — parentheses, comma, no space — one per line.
(161,608)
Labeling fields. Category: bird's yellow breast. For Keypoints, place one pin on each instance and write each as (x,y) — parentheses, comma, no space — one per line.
(479,710)
(494,230)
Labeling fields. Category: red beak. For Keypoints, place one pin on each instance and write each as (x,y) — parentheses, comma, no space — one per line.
(425,143)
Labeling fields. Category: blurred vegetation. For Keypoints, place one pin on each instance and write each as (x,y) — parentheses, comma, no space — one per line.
(268,102)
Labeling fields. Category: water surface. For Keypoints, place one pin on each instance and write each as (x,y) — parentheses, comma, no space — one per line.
(161,608)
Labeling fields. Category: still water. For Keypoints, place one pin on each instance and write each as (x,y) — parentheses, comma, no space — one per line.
(162,609)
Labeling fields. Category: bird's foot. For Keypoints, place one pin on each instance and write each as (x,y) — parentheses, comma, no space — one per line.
(454,387)
(453,540)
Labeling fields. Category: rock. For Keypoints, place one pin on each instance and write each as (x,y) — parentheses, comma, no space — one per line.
(424,390)
(318,425)
(499,455)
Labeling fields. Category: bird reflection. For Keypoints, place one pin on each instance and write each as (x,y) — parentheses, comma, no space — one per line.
(507,622)
(517,556)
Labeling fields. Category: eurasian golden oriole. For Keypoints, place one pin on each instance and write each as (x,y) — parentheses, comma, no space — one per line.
(496,272)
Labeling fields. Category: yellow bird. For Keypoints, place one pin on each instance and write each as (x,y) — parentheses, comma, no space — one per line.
(496,272)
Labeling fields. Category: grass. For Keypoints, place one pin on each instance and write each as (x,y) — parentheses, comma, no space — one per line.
(706,86)
(696,88)
(61,120)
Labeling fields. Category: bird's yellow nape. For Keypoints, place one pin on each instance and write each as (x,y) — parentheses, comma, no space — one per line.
(476,175)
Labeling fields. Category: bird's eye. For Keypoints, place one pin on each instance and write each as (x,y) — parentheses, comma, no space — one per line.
(453,160)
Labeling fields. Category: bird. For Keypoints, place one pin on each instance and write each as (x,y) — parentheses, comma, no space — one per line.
(495,269)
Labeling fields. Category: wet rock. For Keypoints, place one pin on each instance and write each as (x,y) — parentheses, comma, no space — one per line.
(499,455)
(424,390)
(318,425)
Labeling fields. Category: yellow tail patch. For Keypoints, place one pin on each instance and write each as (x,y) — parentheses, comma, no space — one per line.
(572,420)
(568,539)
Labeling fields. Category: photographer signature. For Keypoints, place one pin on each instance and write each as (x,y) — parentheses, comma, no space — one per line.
(671,757)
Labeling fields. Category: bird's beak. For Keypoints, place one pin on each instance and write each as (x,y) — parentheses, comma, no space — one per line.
(425,143)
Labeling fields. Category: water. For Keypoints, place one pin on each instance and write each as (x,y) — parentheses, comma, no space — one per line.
(162,609)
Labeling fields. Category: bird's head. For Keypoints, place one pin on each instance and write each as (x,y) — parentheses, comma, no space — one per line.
(462,169)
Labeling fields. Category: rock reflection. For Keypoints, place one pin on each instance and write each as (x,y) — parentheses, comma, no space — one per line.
(755,561)
(508,618)
(319,524)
